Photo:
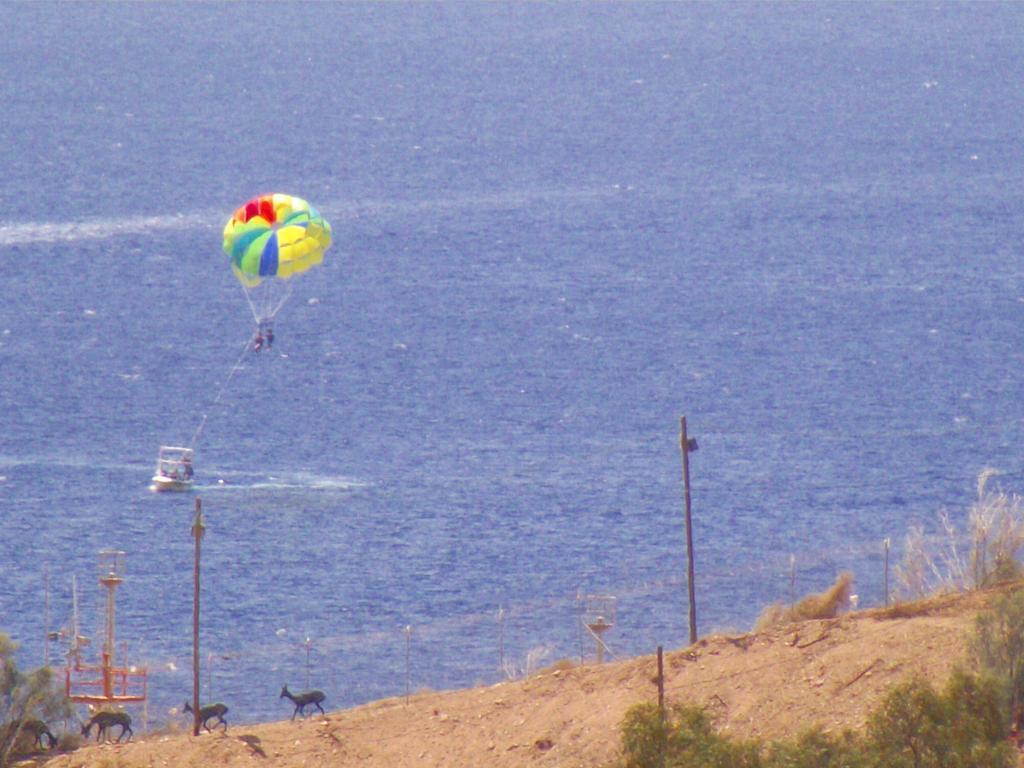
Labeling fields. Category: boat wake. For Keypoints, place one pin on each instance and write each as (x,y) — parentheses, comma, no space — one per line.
(99,229)
(24,233)
(291,482)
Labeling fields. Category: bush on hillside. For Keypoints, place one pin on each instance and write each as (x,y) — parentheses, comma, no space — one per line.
(915,727)
(997,647)
(918,728)
(816,749)
(25,696)
(681,737)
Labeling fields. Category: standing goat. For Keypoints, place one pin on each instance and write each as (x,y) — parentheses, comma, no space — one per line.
(104,720)
(209,712)
(302,700)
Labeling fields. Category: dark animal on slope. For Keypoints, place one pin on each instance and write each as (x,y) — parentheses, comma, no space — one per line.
(303,700)
(209,712)
(104,720)
(37,729)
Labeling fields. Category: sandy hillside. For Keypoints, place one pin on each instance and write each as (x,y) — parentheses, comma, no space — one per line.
(772,684)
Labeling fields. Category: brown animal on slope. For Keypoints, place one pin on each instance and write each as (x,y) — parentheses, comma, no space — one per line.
(104,720)
(35,728)
(209,712)
(303,700)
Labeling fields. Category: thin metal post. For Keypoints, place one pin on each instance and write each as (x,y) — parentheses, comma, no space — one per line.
(501,641)
(46,616)
(885,545)
(661,684)
(309,647)
(579,621)
(408,644)
(686,445)
(198,529)
(792,580)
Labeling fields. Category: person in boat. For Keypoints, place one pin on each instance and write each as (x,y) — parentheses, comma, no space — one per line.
(257,341)
(186,463)
(270,337)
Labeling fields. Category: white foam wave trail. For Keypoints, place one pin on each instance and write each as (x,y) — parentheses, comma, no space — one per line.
(288,483)
(100,229)
(68,462)
(456,202)
(24,233)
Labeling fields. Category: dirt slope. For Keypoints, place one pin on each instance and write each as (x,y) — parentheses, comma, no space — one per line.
(772,684)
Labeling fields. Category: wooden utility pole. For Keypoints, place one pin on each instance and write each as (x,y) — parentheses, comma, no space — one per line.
(687,445)
(197,533)
(309,647)
(408,646)
(885,545)
(661,684)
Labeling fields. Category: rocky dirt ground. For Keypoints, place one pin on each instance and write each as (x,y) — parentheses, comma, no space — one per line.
(772,684)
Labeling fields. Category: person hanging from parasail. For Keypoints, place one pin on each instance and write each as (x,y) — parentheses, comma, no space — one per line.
(269,240)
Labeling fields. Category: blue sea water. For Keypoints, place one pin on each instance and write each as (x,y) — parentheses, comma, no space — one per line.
(558,228)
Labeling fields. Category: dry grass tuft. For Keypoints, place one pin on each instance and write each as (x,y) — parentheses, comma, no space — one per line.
(986,552)
(562,665)
(823,605)
(911,608)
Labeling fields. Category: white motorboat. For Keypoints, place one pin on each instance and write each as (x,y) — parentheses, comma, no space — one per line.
(173,469)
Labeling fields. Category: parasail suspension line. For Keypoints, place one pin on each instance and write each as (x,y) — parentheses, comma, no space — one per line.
(272,298)
(220,394)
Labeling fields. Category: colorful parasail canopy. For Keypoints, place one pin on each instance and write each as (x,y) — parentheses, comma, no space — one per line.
(272,238)
(275,236)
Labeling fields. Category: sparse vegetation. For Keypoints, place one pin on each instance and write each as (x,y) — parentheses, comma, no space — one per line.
(23,697)
(824,605)
(69,741)
(681,737)
(994,536)
(531,664)
(915,727)
(997,647)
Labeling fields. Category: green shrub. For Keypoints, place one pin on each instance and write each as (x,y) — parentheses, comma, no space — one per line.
(25,696)
(997,646)
(683,738)
(816,749)
(964,726)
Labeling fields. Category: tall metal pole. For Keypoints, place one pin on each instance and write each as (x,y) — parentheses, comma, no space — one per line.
(661,684)
(309,646)
(885,545)
(501,641)
(197,533)
(687,445)
(408,643)
(46,616)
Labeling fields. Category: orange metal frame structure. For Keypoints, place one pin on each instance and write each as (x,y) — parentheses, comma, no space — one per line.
(103,683)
